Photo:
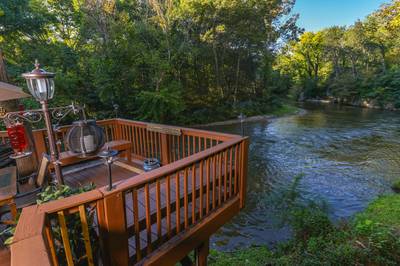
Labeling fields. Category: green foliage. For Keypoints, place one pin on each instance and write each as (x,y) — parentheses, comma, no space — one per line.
(383,211)
(51,193)
(371,238)
(73,221)
(249,256)
(354,64)
(164,61)
(396,186)
(160,106)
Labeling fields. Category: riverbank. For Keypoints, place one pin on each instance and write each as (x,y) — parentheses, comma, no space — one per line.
(372,104)
(284,110)
(370,238)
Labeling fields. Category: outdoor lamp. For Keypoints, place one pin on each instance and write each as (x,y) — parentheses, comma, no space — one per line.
(41,86)
(40,83)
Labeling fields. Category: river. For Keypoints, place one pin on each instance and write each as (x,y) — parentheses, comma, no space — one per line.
(347,157)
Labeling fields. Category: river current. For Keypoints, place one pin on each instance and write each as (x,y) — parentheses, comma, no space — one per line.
(346,156)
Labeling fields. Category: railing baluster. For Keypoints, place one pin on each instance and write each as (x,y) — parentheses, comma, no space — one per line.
(158,206)
(65,238)
(214,173)
(183,147)
(137,150)
(86,236)
(225,173)
(235,184)
(201,189)
(50,240)
(230,171)
(173,149)
(194,194)
(198,144)
(186,201)
(194,144)
(177,202)
(207,185)
(179,147)
(153,144)
(243,171)
(148,217)
(168,201)
(135,203)
(219,178)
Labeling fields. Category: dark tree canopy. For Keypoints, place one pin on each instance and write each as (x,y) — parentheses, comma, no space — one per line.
(186,61)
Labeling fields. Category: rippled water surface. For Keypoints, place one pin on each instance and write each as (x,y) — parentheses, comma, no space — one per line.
(348,156)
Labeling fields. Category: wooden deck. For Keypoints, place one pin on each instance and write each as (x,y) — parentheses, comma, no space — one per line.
(151,218)
(97,173)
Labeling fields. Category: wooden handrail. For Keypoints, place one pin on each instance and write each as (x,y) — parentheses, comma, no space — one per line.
(150,177)
(208,171)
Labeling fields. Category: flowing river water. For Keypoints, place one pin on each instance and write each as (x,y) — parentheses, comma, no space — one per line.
(347,157)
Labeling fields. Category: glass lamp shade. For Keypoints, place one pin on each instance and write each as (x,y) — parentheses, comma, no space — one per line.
(42,89)
(40,83)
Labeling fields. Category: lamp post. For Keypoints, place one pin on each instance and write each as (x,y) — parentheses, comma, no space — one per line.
(41,86)
(242,118)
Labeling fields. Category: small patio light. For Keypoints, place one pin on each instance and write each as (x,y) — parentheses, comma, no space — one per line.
(108,156)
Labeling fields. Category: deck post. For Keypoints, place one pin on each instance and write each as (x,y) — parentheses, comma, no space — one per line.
(201,253)
(243,170)
(39,143)
(165,152)
(114,224)
(117,130)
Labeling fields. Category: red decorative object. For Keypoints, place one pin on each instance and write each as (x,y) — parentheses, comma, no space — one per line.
(17,136)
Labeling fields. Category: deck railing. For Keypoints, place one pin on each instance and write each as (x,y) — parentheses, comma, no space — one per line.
(154,217)
(167,143)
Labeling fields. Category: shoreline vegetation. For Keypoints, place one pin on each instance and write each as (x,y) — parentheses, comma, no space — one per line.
(284,110)
(371,237)
(371,104)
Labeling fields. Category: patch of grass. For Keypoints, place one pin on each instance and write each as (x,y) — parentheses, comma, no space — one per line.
(249,256)
(371,238)
(384,211)
(285,109)
(396,186)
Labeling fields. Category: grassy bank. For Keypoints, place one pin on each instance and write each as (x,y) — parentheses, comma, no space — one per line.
(285,109)
(370,238)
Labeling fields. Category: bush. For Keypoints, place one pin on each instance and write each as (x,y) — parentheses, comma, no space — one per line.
(249,256)
(371,238)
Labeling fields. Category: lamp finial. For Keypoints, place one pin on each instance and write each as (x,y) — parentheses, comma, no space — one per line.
(37,65)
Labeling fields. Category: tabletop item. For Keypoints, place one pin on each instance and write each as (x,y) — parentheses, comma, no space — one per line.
(151,164)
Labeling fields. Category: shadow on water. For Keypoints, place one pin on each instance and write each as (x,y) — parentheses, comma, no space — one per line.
(347,156)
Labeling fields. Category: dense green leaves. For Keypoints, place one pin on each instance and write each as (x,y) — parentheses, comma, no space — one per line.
(165,61)
(355,64)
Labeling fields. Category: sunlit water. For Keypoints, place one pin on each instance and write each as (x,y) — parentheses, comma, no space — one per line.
(348,157)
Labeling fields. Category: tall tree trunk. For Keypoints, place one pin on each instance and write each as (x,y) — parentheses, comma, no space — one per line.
(26,165)
(383,54)
(237,80)
(3,71)
(216,65)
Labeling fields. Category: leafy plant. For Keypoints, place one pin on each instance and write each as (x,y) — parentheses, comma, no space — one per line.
(52,193)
